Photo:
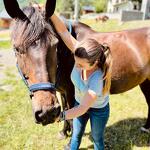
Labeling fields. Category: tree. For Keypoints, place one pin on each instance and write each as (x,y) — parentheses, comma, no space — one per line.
(100,5)
(85,2)
(140,1)
(65,5)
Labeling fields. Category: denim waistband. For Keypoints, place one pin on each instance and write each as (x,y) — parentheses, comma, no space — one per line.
(91,108)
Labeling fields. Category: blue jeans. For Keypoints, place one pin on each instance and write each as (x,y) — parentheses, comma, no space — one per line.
(98,119)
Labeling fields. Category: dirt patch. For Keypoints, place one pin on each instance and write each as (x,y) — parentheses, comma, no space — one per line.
(7,60)
(5,31)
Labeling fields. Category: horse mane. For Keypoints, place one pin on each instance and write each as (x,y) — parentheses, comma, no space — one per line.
(25,33)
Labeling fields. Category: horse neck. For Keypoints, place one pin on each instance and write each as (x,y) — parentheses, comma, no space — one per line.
(81,30)
(64,55)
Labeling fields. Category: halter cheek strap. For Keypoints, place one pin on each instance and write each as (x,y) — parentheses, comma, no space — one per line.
(37,86)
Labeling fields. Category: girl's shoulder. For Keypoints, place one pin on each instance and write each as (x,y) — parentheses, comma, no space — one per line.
(98,75)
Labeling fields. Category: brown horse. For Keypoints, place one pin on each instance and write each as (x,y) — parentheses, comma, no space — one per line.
(39,52)
(102,18)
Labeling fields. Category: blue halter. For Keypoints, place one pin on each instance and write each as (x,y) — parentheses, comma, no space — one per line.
(38,86)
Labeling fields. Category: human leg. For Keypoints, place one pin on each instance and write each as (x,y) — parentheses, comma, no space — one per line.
(98,120)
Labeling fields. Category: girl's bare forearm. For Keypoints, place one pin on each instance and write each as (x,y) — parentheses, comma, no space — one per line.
(61,29)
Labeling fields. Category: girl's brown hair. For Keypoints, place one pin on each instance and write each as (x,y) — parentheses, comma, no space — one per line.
(93,51)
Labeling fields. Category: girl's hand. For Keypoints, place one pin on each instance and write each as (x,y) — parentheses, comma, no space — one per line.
(61,117)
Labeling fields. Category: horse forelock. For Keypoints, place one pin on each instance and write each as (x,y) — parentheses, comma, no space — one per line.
(25,33)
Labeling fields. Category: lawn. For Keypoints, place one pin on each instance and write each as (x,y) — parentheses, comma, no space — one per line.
(115,25)
(5,45)
(18,130)
(5,42)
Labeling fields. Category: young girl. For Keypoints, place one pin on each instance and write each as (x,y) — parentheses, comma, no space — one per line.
(91,77)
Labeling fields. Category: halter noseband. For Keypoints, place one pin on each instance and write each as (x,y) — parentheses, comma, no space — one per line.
(38,86)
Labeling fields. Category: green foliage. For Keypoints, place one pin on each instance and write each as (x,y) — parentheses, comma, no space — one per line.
(65,5)
(100,5)
(68,5)
(85,2)
(140,1)
(41,1)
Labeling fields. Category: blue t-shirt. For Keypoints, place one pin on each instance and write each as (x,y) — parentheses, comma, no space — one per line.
(94,83)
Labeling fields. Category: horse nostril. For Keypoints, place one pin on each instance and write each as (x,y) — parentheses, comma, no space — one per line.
(38,116)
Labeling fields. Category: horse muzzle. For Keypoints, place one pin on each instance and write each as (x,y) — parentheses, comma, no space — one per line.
(49,116)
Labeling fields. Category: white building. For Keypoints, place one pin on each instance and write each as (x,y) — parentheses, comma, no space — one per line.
(146,9)
(117,6)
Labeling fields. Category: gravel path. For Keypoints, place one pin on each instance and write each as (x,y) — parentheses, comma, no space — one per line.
(7,60)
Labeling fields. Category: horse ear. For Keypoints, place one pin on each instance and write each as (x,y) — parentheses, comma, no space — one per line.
(13,10)
(50,8)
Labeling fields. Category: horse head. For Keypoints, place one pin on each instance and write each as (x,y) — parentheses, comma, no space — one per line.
(35,45)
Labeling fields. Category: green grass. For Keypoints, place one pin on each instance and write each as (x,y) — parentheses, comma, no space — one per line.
(18,130)
(5,45)
(115,25)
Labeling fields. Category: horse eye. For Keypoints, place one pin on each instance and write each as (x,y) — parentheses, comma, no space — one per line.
(16,49)
(35,43)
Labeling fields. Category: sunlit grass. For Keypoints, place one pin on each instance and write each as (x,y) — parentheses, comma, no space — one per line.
(115,25)
(5,45)
(5,42)
(18,130)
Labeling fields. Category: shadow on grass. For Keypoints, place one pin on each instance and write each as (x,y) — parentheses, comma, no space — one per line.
(124,135)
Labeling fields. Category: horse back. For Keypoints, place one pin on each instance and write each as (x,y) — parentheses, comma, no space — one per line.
(130,53)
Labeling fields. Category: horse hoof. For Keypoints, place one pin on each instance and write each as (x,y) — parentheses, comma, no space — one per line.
(61,136)
(145,130)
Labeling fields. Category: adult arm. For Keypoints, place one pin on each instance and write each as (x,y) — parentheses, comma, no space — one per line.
(87,101)
(61,29)
(95,89)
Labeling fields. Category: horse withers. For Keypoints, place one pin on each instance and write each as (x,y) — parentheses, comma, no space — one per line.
(39,52)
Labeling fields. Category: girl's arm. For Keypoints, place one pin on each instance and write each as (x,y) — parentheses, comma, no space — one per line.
(61,29)
(87,102)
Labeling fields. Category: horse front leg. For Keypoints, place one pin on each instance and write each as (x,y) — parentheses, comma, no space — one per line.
(67,103)
(145,87)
